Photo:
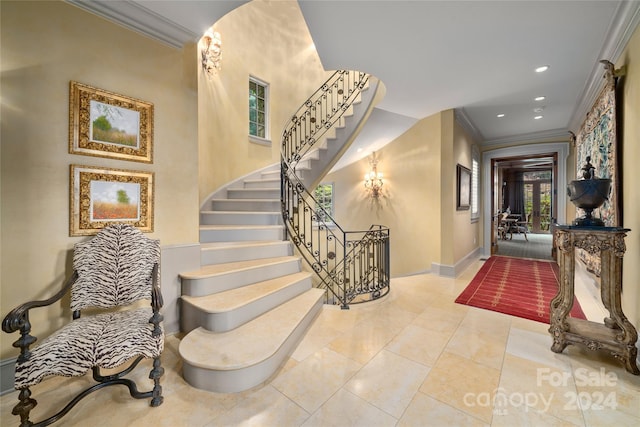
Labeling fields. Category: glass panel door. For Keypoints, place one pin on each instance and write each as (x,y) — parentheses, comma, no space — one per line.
(544,210)
(537,205)
(528,204)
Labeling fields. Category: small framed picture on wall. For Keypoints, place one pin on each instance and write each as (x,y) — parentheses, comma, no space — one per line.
(463,193)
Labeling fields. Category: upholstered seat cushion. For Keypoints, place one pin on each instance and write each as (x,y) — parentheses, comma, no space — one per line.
(106,340)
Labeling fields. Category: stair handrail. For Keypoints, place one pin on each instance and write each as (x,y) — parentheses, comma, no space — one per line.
(308,223)
(304,128)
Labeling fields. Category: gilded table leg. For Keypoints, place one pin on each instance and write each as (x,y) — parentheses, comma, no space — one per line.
(563,301)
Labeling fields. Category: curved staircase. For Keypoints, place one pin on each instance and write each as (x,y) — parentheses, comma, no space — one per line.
(250,303)
(246,309)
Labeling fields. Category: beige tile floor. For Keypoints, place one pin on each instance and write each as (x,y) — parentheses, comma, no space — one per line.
(414,358)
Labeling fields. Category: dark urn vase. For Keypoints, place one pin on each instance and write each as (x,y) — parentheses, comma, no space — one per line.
(589,194)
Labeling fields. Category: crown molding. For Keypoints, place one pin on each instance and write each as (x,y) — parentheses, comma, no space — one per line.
(465,122)
(623,25)
(557,134)
(139,19)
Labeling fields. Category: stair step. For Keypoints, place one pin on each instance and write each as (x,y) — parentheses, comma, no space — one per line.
(240,218)
(272,174)
(225,252)
(304,164)
(237,360)
(215,278)
(246,205)
(234,233)
(227,310)
(263,183)
(253,193)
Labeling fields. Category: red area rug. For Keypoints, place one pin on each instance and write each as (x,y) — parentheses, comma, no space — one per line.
(516,286)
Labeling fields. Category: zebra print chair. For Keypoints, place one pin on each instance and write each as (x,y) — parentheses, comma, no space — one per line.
(116,268)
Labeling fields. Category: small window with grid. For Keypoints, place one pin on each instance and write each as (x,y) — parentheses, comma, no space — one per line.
(258,108)
(324,197)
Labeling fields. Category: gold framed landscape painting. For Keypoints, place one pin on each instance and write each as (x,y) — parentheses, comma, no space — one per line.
(101,196)
(105,124)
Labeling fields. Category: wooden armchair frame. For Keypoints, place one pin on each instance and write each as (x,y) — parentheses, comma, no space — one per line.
(18,320)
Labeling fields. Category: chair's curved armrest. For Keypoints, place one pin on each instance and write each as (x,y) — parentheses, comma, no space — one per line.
(156,303)
(18,317)
(156,294)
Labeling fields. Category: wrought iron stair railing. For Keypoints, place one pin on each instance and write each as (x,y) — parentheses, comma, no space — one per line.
(352,266)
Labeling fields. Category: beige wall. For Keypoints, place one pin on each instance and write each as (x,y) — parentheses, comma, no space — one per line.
(44,46)
(268,40)
(630,193)
(419,202)
(448,185)
(466,234)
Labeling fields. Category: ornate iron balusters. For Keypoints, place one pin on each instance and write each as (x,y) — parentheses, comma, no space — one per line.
(352,266)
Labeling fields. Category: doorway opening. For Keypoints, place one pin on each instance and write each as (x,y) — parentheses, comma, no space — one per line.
(493,184)
(525,207)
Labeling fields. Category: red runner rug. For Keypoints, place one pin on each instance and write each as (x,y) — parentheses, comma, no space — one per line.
(516,286)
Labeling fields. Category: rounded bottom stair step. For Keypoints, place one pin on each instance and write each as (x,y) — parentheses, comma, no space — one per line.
(237,360)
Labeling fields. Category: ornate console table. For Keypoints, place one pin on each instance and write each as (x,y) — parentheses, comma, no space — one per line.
(616,335)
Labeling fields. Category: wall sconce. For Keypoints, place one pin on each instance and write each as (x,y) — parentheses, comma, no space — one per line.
(212,52)
(373,179)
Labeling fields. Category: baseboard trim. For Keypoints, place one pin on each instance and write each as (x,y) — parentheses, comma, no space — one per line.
(457,268)
(7,371)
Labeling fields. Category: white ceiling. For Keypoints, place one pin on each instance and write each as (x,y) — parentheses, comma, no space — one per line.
(477,57)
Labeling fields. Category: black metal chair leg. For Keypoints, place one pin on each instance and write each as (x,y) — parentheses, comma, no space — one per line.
(24,407)
(155,374)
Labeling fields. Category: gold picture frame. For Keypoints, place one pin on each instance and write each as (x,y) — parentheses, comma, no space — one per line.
(100,196)
(105,124)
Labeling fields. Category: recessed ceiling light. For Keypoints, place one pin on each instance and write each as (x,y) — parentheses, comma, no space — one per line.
(501,115)
(540,98)
(359,149)
(542,69)
(537,117)
(538,110)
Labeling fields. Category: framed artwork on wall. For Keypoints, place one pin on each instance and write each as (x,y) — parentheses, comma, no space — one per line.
(597,138)
(463,188)
(105,124)
(100,196)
